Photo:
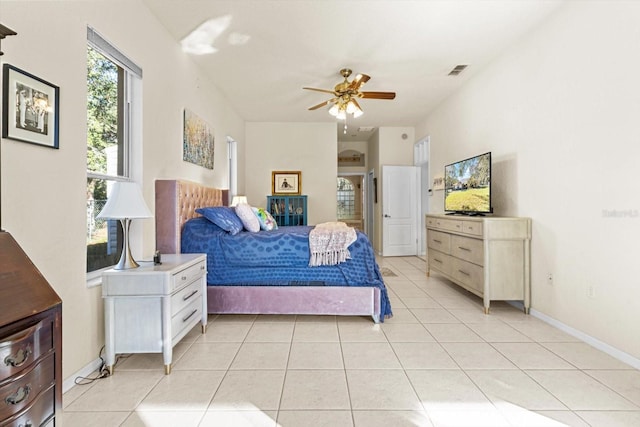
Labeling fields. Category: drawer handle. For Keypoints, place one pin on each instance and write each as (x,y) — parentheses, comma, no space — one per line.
(184,319)
(186,297)
(437,260)
(201,267)
(183,278)
(19,358)
(18,396)
(464,249)
(437,241)
(464,272)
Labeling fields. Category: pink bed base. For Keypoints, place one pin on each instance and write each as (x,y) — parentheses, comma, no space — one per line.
(336,300)
(176,201)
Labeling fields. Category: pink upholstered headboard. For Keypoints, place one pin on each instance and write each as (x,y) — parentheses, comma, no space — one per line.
(176,202)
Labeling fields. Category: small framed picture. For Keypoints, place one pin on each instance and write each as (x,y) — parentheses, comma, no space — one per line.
(30,108)
(438,183)
(286,182)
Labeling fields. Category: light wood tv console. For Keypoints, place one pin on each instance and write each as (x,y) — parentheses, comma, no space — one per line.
(488,256)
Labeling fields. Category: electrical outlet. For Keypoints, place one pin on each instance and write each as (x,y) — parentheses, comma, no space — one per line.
(550,279)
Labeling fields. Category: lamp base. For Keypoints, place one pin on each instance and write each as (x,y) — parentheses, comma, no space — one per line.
(126,260)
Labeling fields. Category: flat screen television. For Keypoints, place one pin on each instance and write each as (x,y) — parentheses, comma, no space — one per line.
(467,186)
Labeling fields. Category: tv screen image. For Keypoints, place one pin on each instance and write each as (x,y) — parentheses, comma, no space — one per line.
(467,185)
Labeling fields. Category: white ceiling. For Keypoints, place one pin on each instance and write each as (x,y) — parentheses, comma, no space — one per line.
(267,50)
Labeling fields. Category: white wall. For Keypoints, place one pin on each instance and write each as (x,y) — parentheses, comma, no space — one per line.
(311,148)
(560,112)
(44,190)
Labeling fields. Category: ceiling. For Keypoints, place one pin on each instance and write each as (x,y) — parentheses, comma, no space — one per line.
(265,51)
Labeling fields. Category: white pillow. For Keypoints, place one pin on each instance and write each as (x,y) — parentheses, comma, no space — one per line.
(248,218)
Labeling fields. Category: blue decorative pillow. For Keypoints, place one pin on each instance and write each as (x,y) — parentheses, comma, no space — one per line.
(224,217)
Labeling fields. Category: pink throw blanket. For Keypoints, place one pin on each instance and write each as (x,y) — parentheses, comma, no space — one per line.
(329,243)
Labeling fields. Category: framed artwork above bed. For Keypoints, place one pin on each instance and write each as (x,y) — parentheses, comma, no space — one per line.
(286,183)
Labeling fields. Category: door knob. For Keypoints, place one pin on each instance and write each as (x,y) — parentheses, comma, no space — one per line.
(387,216)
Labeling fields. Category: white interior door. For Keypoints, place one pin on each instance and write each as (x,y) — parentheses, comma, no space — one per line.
(399,210)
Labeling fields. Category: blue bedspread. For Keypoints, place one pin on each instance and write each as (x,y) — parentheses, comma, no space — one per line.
(279,258)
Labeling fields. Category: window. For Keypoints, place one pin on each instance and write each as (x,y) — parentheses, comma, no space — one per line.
(346,199)
(111,78)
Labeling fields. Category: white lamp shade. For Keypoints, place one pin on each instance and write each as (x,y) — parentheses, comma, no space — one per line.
(238,199)
(125,201)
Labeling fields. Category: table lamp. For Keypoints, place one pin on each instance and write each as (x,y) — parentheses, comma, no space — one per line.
(125,203)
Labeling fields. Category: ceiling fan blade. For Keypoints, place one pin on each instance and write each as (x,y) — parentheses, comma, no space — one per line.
(358,81)
(378,95)
(320,90)
(322,104)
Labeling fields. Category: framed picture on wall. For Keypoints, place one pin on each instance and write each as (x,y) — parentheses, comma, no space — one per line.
(30,108)
(286,183)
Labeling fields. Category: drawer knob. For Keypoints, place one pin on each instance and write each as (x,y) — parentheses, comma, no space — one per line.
(21,394)
(19,358)
(183,278)
(201,267)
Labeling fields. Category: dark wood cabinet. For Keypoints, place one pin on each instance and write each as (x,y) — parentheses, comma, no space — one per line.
(30,342)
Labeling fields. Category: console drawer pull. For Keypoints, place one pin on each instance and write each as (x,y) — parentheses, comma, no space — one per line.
(19,358)
(464,249)
(21,394)
(464,272)
(184,319)
(437,260)
(437,241)
(186,297)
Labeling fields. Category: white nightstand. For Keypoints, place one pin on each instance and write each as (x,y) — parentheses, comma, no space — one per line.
(151,308)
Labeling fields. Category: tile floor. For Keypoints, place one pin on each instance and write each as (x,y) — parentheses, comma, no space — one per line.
(438,362)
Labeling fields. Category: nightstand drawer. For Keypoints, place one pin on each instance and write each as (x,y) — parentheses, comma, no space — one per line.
(188,275)
(185,296)
(187,317)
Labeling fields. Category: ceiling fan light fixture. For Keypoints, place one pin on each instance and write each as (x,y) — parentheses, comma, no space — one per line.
(334,110)
(342,115)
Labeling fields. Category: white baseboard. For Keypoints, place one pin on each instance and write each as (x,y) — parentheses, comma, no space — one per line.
(92,367)
(594,342)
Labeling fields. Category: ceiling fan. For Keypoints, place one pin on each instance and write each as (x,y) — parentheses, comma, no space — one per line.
(345,95)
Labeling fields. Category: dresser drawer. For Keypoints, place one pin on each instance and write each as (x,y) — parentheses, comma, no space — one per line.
(19,350)
(468,249)
(36,414)
(185,296)
(472,227)
(448,224)
(439,261)
(187,275)
(439,241)
(468,274)
(187,317)
(21,392)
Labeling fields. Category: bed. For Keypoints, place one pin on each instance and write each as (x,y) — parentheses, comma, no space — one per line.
(242,285)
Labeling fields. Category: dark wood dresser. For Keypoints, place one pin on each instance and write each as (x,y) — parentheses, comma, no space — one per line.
(30,342)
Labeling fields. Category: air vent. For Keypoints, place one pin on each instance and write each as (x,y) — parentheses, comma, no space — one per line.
(365,129)
(457,70)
